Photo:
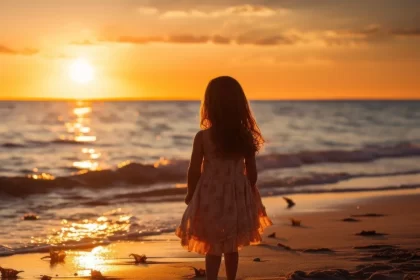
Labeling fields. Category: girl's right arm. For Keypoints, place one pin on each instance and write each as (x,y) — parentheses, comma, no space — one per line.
(251,170)
(194,170)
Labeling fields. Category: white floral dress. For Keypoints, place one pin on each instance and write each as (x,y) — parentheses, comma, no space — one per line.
(225,212)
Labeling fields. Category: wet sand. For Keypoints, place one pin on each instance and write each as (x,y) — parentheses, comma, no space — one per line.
(328,239)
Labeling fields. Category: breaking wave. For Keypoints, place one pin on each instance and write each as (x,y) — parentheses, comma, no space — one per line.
(174,171)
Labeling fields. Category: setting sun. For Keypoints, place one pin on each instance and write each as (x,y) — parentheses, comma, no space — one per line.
(81,71)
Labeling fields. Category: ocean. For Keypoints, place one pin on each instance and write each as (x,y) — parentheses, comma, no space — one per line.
(105,171)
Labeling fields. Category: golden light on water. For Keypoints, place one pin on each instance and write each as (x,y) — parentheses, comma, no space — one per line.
(41,176)
(92,153)
(80,111)
(88,230)
(85,129)
(93,260)
(79,131)
(86,164)
(79,128)
(95,156)
(124,163)
(85,138)
(161,162)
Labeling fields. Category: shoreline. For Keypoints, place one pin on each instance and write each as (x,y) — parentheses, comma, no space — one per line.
(320,214)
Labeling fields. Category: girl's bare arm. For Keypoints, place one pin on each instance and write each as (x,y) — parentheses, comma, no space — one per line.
(194,170)
(251,170)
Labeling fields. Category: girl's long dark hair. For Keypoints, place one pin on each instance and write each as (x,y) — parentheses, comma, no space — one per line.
(226,112)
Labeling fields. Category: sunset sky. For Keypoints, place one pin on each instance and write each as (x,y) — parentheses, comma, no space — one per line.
(166,49)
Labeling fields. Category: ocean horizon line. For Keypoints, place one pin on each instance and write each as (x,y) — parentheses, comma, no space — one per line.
(197,100)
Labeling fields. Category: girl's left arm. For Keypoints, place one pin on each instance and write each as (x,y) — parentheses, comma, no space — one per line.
(194,170)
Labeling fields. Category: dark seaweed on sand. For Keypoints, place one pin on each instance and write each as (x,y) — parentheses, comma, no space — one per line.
(375,247)
(369,215)
(370,233)
(284,246)
(319,251)
(351,220)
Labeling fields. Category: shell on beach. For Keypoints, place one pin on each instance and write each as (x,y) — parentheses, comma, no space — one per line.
(138,258)
(272,235)
(8,273)
(55,256)
(289,201)
(199,272)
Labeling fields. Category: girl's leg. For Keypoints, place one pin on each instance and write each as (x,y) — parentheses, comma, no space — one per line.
(231,264)
(212,266)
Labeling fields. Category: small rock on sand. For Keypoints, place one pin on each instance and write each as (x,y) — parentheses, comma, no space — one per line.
(350,220)
(370,233)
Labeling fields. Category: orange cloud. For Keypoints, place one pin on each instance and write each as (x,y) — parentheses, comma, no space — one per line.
(273,40)
(175,39)
(188,39)
(246,10)
(147,10)
(139,40)
(251,10)
(321,38)
(83,43)
(26,51)
(217,39)
(406,32)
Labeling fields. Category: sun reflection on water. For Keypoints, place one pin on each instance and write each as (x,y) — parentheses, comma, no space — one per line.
(124,163)
(88,230)
(85,138)
(93,260)
(80,131)
(80,111)
(41,176)
(161,162)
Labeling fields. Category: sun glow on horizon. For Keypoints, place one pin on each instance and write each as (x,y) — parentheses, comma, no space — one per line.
(81,71)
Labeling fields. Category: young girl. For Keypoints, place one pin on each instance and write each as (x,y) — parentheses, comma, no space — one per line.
(224,210)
